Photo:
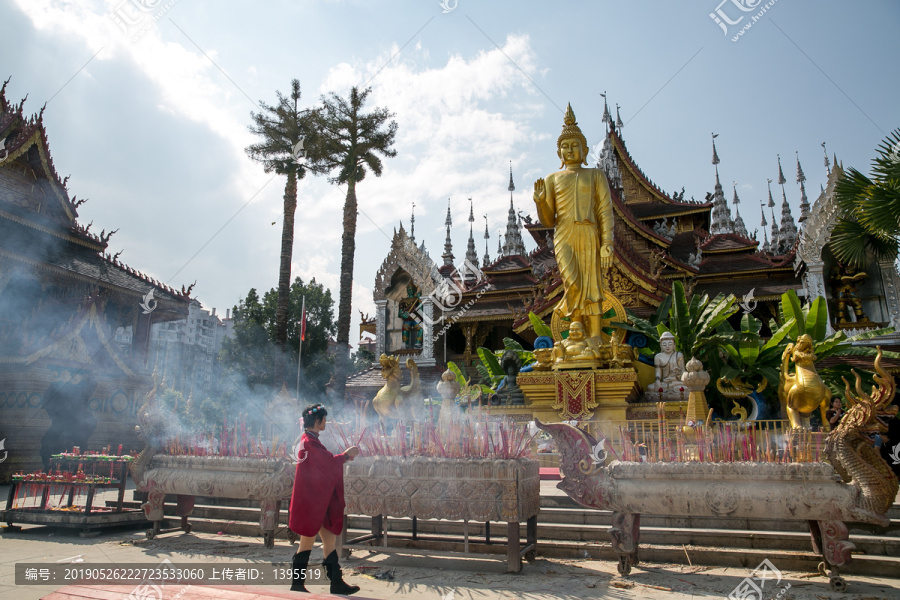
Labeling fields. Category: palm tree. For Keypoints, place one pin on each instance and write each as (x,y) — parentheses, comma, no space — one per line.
(282,127)
(870,208)
(351,142)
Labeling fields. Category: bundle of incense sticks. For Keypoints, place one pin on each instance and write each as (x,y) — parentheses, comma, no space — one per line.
(233,439)
(720,442)
(468,438)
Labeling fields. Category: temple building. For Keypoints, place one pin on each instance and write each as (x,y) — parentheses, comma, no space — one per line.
(75,321)
(659,238)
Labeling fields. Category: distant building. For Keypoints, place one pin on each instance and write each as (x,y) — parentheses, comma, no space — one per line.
(183,352)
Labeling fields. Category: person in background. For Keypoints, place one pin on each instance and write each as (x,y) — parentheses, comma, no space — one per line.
(834,414)
(317,501)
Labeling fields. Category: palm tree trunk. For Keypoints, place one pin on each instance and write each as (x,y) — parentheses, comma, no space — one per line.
(348,249)
(284,277)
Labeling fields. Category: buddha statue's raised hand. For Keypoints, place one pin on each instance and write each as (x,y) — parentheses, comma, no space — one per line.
(540,193)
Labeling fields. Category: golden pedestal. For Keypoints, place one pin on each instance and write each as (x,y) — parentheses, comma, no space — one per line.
(565,395)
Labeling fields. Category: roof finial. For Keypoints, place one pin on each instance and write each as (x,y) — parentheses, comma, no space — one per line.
(804,201)
(781,179)
(487,236)
(412,224)
(471,253)
(448,244)
(606,118)
(619,124)
(762,212)
(512,186)
(771,200)
(800,176)
(715,159)
(827,162)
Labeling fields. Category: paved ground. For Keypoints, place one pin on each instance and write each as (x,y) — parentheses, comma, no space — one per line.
(395,577)
(398,577)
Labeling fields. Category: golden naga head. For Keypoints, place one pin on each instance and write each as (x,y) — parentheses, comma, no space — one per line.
(571,130)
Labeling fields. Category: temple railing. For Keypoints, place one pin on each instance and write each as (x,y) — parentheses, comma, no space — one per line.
(759,441)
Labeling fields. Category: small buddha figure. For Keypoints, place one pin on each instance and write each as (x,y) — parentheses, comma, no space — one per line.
(576,348)
(669,365)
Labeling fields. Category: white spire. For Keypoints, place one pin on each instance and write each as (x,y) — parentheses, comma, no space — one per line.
(487,236)
(739,227)
(471,254)
(804,201)
(513,240)
(721,216)
(448,244)
(788,228)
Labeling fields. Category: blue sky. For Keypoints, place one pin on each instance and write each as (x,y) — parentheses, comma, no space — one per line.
(152,130)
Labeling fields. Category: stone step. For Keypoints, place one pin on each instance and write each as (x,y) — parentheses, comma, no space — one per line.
(562,539)
(583,516)
(713,555)
(725,538)
(560,501)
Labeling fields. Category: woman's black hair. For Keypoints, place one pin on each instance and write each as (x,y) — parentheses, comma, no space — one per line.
(312,414)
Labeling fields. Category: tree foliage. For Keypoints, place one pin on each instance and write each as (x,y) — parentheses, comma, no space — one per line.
(251,351)
(350,145)
(869,208)
(283,128)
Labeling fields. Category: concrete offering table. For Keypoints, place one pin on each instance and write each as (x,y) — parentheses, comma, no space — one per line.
(475,489)
(267,480)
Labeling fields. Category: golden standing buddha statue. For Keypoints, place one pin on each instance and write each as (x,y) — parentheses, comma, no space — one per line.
(576,203)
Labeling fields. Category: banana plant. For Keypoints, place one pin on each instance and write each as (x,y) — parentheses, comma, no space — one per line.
(468,392)
(650,328)
(753,359)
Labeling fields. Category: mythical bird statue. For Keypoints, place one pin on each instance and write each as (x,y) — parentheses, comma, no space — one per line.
(393,401)
(804,391)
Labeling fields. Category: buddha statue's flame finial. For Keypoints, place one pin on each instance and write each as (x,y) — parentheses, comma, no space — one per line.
(569,118)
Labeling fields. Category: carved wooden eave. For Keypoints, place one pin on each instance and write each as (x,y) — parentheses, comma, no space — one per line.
(626,217)
(72,236)
(69,345)
(404,254)
(21,134)
(694,209)
(625,160)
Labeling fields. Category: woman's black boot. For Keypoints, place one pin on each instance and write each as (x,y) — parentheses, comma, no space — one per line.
(301,560)
(333,571)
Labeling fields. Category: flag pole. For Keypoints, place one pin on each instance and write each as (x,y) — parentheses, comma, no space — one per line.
(300,346)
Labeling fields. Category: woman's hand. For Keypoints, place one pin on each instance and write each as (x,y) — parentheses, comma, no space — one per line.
(352,452)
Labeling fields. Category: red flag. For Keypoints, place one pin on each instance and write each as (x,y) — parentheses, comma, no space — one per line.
(303,322)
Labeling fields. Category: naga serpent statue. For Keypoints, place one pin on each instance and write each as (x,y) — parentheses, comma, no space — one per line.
(848,447)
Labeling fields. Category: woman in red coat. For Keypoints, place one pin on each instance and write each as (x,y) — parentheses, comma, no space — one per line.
(317,501)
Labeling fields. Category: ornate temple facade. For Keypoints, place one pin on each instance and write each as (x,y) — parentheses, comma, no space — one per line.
(659,238)
(74,321)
